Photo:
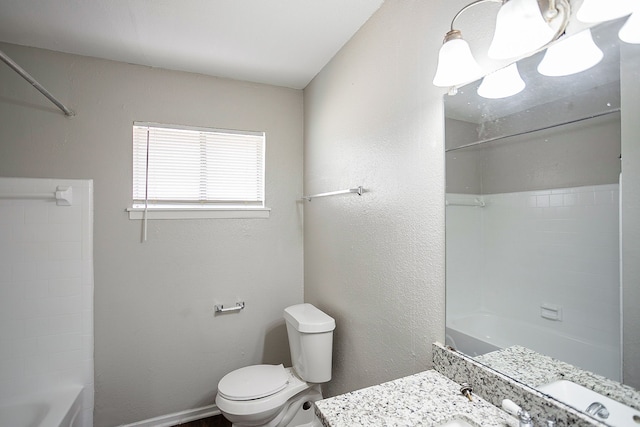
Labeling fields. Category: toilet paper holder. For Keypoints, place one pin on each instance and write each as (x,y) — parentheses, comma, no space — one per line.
(219,308)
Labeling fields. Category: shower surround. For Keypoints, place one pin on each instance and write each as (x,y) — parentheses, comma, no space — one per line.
(46,291)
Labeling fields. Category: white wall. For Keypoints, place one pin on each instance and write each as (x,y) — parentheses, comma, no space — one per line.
(46,290)
(630,90)
(376,262)
(158,347)
(578,154)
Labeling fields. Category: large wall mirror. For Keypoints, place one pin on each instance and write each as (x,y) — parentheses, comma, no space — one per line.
(543,212)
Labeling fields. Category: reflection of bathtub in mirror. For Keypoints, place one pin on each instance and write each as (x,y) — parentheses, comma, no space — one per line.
(539,215)
(482,333)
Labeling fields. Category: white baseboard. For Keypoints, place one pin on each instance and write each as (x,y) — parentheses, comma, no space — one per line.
(177,417)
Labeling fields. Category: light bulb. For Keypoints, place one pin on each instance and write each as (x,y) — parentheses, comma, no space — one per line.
(502,83)
(593,11)
(570,55)
(630,32)
(456,64)
(520,29)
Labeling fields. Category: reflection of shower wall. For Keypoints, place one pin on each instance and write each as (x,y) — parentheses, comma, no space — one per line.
(549,231)
(580,154)
(556,247)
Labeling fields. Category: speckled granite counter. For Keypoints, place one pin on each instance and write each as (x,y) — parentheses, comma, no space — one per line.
(424,399)
(535,369)
(494,386)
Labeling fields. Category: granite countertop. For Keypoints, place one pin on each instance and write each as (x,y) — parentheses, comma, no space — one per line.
(424,399)
(534,369)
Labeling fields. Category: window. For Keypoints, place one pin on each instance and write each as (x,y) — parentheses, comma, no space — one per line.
(178,168)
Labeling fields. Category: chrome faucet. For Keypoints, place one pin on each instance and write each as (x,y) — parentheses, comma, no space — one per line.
(524,419)
(599,410)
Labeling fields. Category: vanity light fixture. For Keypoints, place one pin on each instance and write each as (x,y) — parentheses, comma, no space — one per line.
(520,29)
(502,83)
(523,28)
(570,55)
(455,62)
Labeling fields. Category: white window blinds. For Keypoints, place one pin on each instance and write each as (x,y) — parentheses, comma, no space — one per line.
(176,165)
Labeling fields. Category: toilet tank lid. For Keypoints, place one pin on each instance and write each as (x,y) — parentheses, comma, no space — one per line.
(307,318)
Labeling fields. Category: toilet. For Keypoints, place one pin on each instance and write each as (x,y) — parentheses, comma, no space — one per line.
(275,396)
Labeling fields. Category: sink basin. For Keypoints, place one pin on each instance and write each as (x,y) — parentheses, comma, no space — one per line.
(456,422)
(582,398)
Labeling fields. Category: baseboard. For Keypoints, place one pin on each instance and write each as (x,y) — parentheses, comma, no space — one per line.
(177,417)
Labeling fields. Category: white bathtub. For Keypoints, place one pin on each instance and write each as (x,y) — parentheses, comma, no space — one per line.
(57,408)
(481,333)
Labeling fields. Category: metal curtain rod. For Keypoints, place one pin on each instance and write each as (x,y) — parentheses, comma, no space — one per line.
(570,122)
(359,190)
(18,69)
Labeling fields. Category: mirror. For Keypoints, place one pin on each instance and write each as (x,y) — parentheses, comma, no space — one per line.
(537,255)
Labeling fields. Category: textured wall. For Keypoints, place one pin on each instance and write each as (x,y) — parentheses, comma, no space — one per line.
(376,262)
(158,347)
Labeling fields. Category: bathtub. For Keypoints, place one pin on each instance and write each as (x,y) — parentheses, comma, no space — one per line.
(60,407)
(481,333)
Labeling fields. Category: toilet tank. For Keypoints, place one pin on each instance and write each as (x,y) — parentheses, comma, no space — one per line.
(310,334)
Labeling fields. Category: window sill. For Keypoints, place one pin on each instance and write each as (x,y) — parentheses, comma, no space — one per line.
(199,213)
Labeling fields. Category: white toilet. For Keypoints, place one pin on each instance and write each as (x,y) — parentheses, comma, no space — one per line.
(275,396)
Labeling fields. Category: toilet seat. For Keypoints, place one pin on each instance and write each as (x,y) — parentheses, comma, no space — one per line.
(253,382)
(274,401)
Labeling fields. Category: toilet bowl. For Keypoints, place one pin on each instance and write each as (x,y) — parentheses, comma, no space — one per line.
(272,394)
(275,396)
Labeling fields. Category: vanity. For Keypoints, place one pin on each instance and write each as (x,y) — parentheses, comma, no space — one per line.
(424,399)
(435,398)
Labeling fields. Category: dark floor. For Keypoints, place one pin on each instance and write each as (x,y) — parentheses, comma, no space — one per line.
(217,421)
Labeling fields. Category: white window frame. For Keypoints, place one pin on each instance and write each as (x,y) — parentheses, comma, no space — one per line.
(198,209)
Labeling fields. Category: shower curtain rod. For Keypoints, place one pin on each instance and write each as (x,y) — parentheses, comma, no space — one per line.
(18,69)
(498,138)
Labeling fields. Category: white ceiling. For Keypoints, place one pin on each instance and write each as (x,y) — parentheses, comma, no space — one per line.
(278,42)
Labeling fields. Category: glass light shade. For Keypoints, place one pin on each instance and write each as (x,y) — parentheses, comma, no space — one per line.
(630,32)
(604,10)
(456,64)
(502,83)
(571,55)
(520,29)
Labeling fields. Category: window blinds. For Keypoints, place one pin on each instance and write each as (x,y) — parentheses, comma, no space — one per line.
(197,166)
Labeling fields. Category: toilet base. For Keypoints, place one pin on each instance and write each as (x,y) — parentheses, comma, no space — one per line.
(298,412)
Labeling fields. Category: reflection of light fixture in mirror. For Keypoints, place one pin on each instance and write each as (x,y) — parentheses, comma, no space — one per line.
(630,32)
(570,55)
(593,11)
(520,29)
(502,83)
(455,62)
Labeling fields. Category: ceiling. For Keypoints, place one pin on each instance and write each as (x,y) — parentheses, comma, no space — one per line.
(278,42)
